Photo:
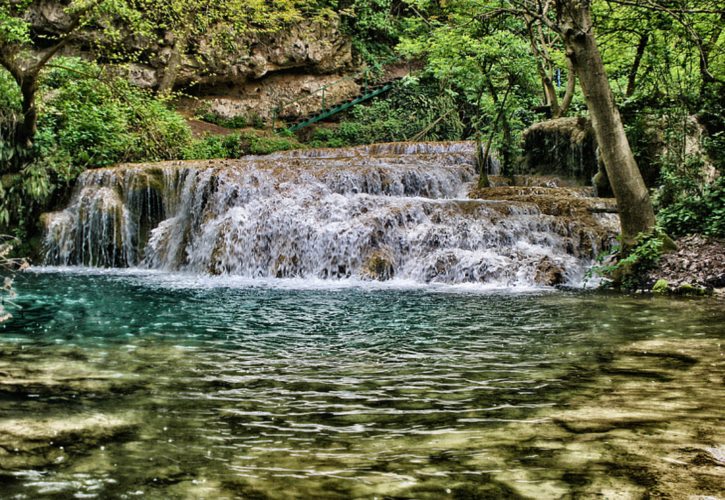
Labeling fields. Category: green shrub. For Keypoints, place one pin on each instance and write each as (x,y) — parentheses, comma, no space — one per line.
(412,109)
(627,268)
(699,213)
(86,120)
(102,121)
(214,146)
(258,144)
(237,145)
(234,122)
(251,120)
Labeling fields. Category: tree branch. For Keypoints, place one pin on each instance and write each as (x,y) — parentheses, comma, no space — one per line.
(74,25)
(7,63)
(653,6)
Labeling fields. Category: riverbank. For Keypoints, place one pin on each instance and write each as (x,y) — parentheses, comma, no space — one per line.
(696,267)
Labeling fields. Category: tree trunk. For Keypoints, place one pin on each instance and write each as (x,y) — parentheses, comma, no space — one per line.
(705,52)
(570,88)
(507,148)
(26,128)
(507,131)
(171,71)
(481,164)
(168,79)
(550,97)
(632,78)
(635,208)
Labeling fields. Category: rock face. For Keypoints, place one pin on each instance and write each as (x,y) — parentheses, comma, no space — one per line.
(564,146)
(292,95)
(318,48)
(260,72)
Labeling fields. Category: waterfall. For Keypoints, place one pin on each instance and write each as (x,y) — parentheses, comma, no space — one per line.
(389,211)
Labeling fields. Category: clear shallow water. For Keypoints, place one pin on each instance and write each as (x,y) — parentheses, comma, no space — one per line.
(164,385)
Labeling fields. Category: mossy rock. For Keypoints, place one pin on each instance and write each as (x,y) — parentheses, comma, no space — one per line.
(661,286)
(148,179)
(380,266)
(692,290)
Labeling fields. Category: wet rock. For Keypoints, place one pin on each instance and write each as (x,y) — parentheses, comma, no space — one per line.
(443,266)
(600,181)
(548,273)
(588,223)
(564,146)
(380,265)
(37,442)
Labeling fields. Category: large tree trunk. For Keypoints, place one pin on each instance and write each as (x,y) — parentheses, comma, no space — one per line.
(635,208)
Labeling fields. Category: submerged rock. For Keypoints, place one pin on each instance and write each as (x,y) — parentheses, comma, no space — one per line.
(38,442)
(23,374)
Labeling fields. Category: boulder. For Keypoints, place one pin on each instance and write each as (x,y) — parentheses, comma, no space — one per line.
(380,265)
(549,273)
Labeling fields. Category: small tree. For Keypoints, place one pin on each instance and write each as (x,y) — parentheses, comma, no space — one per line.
(571,20)
(25,65)
(24,53)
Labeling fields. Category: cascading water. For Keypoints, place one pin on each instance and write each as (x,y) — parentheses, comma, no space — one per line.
(373,212)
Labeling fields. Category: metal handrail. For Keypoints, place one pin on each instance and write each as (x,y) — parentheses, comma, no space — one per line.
(326,113)
(279,108)
(364,73)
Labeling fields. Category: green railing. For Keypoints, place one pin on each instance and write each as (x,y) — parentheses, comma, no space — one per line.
(368,92)
(326,113)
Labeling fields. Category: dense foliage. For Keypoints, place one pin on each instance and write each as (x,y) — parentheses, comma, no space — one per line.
(416,109)
(503,71)
(87,120)
(486,73)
